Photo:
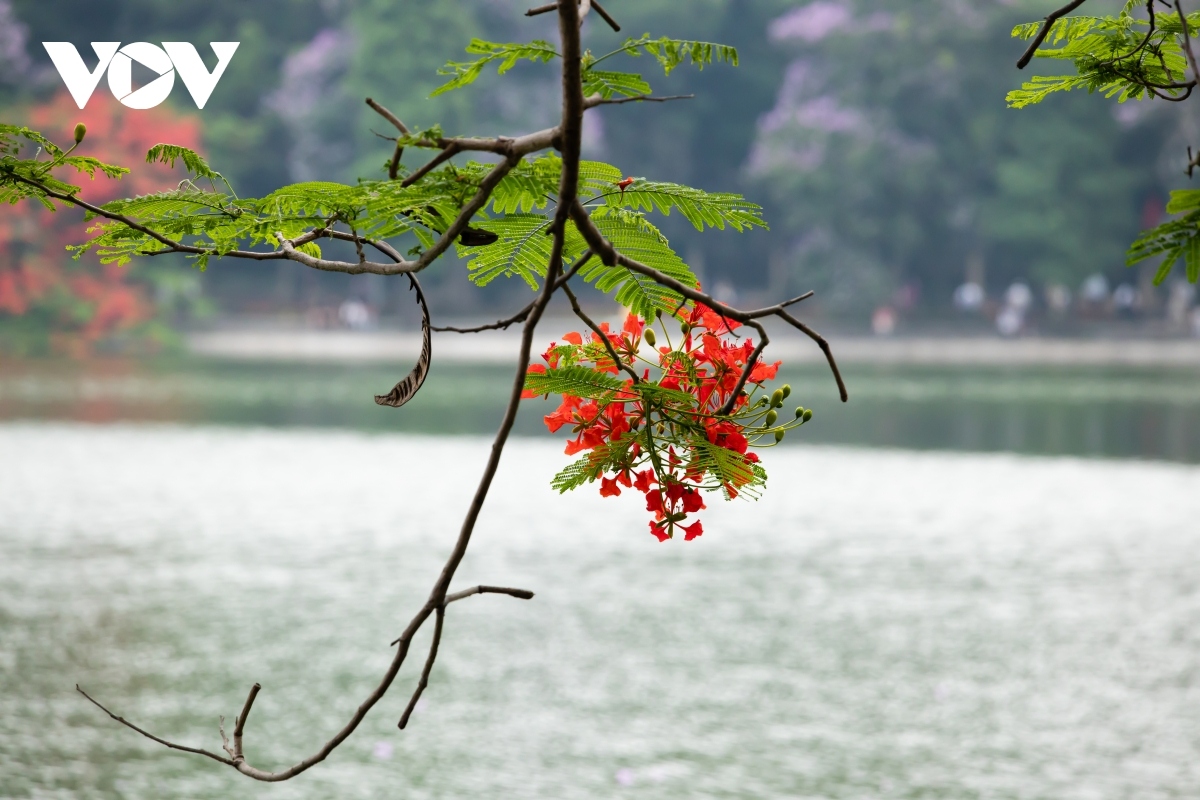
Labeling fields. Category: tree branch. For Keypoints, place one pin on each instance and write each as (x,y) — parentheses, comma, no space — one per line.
(520,594)
(394,165)
(520,316)
(1187,43)
(1054,17)
(151,736)
(546,9)
(612,353)
(430,659)
(596,100)
(611,256)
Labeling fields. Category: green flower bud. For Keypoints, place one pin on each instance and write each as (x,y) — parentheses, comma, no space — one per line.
(80,132)
(771,417)
(777,398)
(779,435)
(685,327)
(787,390)
(649,336)
(799,412)
(807,414)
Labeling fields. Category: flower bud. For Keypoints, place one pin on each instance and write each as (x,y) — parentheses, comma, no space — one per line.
(80,132)
(779,435)
(685,327)
(648,335)
(799,412)
(807,414)
(771,417)
(787,390)
(777,398)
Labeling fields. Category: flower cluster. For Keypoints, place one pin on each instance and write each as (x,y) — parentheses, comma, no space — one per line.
(658,418)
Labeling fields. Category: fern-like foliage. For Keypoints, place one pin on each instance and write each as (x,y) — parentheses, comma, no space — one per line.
(1174,239)
(27,159)
(1115,56)
(505,56)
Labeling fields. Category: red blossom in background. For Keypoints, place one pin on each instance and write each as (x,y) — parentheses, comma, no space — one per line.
(82,302)
(664,438)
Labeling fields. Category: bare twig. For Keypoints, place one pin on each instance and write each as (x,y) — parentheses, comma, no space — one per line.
(1187,42)
(546,9)
(520,594)
(441,158)
(1054,17)
(394,165)
(611,256)
(824,345)
(429,660)
(520,316)
(596,100)
(151,736)
(612,353)
(239,725)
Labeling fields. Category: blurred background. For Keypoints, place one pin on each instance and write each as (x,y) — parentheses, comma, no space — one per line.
(189,461)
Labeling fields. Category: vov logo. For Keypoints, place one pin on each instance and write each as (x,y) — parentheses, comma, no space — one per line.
(164,61)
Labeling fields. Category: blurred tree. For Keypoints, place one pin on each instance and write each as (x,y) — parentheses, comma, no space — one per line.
(894,161)
(49,303)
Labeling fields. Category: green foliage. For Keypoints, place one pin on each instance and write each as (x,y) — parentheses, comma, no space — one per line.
(1175,239)
(1115,56)
(576,381)
(466,72)
(671,53)
(1129,59)
(22,178)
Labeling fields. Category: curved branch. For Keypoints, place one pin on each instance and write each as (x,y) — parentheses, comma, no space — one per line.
(611,256)
(596,100)
(612,353)
(520,316)
(1054,17)
(394,164)
(151,736)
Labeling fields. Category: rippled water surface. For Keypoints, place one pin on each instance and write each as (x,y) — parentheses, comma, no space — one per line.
(890,625)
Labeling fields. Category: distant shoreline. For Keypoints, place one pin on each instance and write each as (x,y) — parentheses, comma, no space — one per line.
(332,346)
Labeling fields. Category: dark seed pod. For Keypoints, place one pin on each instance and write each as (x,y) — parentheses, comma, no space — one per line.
(648,335)
(787,390)
(779,435)
(807,414)
(777,398)
(659,429)
(770,418)
(80,132)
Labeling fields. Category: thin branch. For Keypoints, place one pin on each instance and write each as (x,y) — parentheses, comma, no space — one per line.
(546,9)
(1054,17)
(1187,42)
(824,345)
(612,353)
(775,309)
(432,657)
(751,363)
(505,324)
(611,256)
(520,594)
(151,736)
(239,725)
(441,158)
(394,165)
(596,100)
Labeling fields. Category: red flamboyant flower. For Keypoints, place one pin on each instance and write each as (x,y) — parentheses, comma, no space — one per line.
(664,437)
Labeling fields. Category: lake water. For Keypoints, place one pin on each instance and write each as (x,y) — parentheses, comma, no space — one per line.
(884,624)
(1122,412)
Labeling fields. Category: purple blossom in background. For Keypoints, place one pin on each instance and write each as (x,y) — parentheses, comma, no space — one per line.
(14,61)
(309,81)
(815,21)
(307,73)
(812,22)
